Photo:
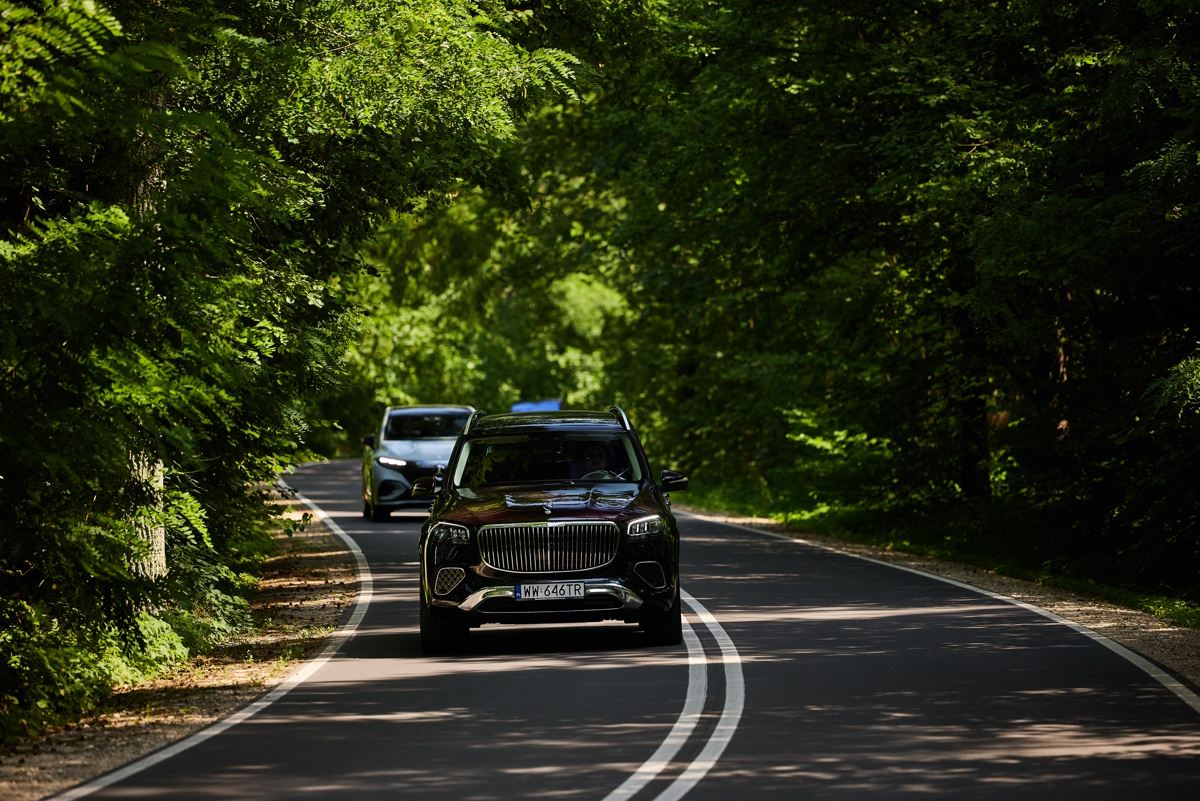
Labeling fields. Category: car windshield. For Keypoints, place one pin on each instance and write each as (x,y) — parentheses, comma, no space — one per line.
(546,458)
(425,426)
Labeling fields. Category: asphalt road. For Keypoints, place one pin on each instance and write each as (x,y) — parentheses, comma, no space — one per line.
(860,681)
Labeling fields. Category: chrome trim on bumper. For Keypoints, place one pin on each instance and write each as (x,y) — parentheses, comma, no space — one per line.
(628,598)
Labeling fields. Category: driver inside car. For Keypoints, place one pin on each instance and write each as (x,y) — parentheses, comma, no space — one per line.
(594,462)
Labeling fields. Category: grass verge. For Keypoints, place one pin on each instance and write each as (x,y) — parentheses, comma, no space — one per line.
(957,537)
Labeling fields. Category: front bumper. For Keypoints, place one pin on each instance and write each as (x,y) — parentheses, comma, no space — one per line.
(604,599)
(457,583)
(629,600)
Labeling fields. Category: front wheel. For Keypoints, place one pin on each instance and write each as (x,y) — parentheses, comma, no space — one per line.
(664,628)
(376,514)
(439,636)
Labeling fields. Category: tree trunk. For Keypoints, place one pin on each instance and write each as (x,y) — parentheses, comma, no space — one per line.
(150,475)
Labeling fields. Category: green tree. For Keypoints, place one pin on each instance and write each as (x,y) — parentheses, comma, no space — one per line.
(186,188)
(926,259)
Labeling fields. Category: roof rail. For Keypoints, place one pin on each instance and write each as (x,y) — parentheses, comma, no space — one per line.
(475,415)
(622,418)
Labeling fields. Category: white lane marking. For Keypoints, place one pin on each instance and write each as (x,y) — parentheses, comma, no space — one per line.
(693,706)
(1168,681)
(345,632)
(731,715)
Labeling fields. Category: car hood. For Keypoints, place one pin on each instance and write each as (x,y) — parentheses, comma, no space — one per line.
(608,501)
(417,450)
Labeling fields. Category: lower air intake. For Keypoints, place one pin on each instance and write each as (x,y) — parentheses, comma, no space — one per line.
(447,579)
(651,573)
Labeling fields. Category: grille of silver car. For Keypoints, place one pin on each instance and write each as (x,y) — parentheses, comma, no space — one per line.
(548,547)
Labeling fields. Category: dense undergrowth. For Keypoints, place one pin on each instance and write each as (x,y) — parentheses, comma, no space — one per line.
(987,535)
(185,188)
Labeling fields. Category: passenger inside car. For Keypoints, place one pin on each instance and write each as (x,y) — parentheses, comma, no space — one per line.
(594,459)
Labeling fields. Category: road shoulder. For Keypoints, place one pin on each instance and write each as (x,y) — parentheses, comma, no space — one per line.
(1172,647)
(306,588)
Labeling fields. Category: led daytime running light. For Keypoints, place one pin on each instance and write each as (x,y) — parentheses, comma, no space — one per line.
(388,461)
(449,532)
(644,527)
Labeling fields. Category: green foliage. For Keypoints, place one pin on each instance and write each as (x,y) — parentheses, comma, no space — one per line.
(160,646)
(915,272)
(1179,389)
(466,309)
(186,187)
(898,266)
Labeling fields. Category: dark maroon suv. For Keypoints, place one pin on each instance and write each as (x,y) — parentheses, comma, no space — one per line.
(548,517)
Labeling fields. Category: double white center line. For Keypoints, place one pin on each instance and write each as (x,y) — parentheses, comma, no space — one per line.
(693,705)
(681,731)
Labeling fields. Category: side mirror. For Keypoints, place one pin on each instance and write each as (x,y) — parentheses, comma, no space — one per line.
(369,440)
(673,481)
(426,487)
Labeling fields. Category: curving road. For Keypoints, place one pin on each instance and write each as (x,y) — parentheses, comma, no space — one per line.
(860,681)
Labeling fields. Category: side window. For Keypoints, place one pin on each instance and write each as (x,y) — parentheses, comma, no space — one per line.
(460,466)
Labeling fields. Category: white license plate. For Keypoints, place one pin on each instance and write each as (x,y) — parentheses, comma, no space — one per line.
(549,592)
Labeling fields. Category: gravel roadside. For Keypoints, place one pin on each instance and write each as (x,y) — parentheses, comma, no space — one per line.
(1173,647)
(305,589)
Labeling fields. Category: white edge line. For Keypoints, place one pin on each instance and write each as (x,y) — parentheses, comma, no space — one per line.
(1154,671)
(693,706)
(731,715)
(344,632)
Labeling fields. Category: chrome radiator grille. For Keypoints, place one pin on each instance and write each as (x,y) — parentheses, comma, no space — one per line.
(548,547)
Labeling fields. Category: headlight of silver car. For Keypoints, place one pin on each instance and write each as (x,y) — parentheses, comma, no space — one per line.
(645,527)
(448,533)
(388,461)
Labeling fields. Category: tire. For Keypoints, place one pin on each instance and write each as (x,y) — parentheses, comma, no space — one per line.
(664,628)
(378,515)
(440,636)
(366,512)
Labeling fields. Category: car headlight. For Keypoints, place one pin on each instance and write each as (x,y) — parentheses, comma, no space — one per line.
(388,461)
(645,527)
(449,533)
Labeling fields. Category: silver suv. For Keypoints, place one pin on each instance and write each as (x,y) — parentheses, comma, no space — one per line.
(412,442)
